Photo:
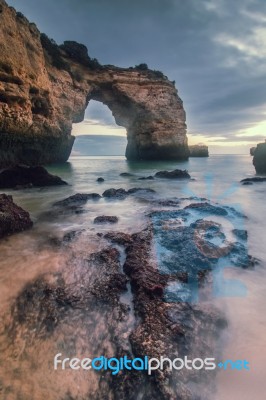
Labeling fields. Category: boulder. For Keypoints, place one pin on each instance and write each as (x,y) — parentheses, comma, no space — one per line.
(23,176)
(122,193)
(106,219)
(77,199)
(175,174)
(115,193)
(12,217)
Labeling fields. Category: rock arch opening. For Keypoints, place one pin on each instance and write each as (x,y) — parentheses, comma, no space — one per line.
(98,134)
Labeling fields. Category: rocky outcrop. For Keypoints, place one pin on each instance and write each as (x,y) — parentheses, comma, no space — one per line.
(22,176)
(198,150)
(175,174)
(252,151)
(105,219)
(122,193)
(44,88)
(259,159)
(12,217)
(78,199)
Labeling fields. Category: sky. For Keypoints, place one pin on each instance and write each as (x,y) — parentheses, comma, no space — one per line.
(215,50)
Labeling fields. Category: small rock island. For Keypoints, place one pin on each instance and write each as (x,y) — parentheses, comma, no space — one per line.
(198,150)
(259,159)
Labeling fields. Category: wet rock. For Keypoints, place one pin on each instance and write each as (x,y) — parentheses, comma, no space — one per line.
(253,179)
(143,178)
(253,261)
(100,179)
(167,203)
(247,183)
(122,193)
(240,234)
(137,190)
(115,193)
(23,176)
(126,174)
(120,238)
(106,219)
(175,174)
(166,328)
(77,199)
(47,301)
(12,217)
(70,236)
(207,208)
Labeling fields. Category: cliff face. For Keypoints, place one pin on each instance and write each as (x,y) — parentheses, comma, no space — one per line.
(44,88)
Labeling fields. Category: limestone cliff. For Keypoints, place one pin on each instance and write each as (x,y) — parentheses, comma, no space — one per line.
(44,88)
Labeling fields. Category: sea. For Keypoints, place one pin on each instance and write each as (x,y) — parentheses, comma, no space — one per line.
(26,256)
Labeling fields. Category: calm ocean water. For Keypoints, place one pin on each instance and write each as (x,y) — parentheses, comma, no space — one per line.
(23,258)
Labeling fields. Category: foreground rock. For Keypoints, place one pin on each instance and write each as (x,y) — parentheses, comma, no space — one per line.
(259,159)
(12,217)
(106,219)
(65,208)
(120,238)
(175,174)
(77,199)
(122,193)
(159,317)
(166,328)
(198,150)
(23,176)
(38,85)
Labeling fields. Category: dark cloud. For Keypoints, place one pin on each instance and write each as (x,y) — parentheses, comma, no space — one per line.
(215,50)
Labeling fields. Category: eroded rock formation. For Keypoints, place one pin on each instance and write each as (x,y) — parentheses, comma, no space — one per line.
(44,88)
(198,150)
(252,151)
(259,159)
